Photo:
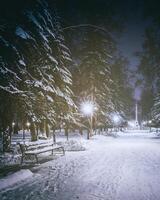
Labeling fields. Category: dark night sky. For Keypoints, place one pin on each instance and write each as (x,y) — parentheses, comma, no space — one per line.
(133,34)
(131,12)
(132,37)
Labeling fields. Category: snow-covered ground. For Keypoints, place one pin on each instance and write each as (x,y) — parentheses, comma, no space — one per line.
(12,179)
(125,167)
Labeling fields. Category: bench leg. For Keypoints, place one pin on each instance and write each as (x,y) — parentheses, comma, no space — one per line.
(36,158)
(21,159)
(63,151)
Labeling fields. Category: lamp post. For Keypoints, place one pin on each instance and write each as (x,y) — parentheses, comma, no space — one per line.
(13,125)
(150,121)
(144,124)
(28,125)
(12,131)
(87,108)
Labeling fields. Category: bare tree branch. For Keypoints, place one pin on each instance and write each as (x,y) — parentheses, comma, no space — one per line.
(87,25)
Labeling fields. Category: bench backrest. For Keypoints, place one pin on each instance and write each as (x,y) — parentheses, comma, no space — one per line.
(38,146)
(30,147)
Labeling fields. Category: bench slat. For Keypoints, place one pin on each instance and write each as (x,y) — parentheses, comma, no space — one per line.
(37,151)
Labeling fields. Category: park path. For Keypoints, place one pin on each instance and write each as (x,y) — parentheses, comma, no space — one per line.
(126,167)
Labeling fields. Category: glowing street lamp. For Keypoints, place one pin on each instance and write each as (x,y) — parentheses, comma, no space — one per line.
(88,108)
(28,124)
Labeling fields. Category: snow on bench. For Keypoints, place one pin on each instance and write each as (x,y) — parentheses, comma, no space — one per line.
(35,149)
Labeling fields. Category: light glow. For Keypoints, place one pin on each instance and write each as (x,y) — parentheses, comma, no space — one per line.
(87,108)
(144,123)
(28,124)
(131,123)
(116,118)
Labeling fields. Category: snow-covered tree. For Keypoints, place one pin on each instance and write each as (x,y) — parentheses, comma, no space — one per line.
(34,62)
(150,69)
(150,59)
(122,92)
(92,77)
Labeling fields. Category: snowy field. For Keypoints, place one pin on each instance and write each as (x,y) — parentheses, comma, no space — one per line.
(125,167)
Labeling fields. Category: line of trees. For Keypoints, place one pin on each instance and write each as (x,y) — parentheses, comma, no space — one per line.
(149,65)
(42,84)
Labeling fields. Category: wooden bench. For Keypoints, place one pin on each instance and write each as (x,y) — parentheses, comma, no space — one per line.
(36,149)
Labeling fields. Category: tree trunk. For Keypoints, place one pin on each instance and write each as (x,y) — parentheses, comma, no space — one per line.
(41,127)
(101,129)
(47,129)
(15,129)
(54,136)
(33,132)
(37,129)
(6,139)
(10,136)
(81,131)
(66,132)
(88,134)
